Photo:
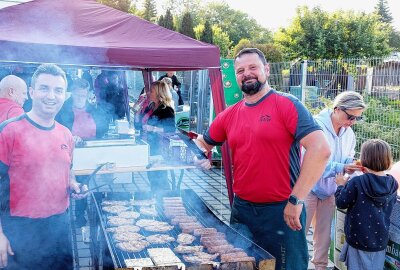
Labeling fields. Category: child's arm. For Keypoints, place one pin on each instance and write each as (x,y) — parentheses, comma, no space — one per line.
(345,194)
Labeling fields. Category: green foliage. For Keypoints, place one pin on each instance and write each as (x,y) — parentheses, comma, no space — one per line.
(272,52)
(207,34)
(383,11)
(316,34)
(263,36)
(324,103)
(150,10)
(243,43)
(123,5)
(373,130)
(236,24)
(133,9)
(179,7)
(221,39)
(169,20)
(382,120)
(187,25)
(198,30)
(385,109)
(384,15)
(161,21)
(394,40)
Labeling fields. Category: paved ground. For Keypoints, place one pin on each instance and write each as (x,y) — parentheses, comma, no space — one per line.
(209,185)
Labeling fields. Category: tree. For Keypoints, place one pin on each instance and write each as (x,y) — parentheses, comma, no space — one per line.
(161,21)
(221,39)
(187,25)
(237,24)
(150,10)
(207,34)
(133,9)
(316,34)
(394,40)
(383,11)
(123,5)
(243,43)
(198,31)
(272,52)
(262,36)
(169,20)
(305,36)
(385,16)
(179,7)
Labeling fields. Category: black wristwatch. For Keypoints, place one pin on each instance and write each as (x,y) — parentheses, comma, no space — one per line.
(294,200)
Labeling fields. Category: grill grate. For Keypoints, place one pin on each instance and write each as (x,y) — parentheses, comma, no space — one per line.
(194,207)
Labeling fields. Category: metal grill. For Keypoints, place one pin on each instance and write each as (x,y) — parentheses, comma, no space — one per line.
(114,258)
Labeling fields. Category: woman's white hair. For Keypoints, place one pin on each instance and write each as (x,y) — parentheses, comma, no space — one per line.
(349,100)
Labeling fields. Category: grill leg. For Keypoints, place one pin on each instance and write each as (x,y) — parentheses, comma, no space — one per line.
(173,183)
(178,187)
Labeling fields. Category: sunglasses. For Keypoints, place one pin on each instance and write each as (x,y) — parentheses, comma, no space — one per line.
(352,117)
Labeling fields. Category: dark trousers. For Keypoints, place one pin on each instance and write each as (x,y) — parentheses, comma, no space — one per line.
(264,224)
(40,243)
(158,180)
(81,205)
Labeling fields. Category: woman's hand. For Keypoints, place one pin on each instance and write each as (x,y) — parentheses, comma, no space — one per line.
(352,167)
(341,179)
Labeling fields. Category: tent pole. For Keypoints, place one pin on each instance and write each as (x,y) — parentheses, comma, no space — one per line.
(219,105)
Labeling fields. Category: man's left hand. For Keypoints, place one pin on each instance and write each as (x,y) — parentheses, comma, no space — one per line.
(291,215)
(78,190)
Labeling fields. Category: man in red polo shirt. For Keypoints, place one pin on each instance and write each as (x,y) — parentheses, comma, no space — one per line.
(13,94)
(35,184)
(265,132)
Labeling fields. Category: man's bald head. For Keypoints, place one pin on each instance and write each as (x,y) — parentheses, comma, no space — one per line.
(14,88)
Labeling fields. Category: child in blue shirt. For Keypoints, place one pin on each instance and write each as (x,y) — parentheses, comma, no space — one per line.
(369,200)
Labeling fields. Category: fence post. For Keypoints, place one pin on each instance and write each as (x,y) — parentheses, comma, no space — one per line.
(303,80)
(368,85)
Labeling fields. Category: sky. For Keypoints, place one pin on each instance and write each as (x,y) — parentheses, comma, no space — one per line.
(275,14)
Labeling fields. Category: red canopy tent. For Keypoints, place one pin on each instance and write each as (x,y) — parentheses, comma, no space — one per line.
(86,33)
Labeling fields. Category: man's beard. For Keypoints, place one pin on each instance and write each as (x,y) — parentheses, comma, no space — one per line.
(252,88)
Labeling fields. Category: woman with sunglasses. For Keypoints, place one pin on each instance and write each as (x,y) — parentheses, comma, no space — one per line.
(320,203)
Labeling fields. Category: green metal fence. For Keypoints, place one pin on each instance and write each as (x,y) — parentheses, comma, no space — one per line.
(317,83)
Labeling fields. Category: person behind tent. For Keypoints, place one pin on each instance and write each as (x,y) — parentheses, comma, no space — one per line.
(143,108)
(100,84)
(86,122)
(176,84)
(13,94)
(114,99)
(369,200)
(174,94)
(162,120)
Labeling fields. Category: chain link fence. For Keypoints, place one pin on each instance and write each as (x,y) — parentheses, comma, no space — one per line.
(317,83)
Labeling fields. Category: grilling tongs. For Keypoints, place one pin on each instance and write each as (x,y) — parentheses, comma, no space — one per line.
(90,176)
(187,137)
